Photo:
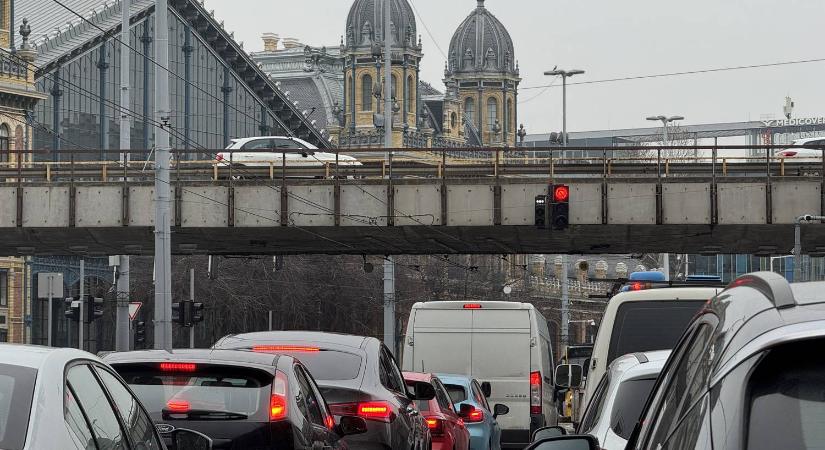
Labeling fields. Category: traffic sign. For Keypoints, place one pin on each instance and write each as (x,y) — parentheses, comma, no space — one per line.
(134,307)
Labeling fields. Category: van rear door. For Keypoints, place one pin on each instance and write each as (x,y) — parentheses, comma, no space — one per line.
(441,341)
(501,355)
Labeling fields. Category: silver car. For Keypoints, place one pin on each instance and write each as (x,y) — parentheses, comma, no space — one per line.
(63,398)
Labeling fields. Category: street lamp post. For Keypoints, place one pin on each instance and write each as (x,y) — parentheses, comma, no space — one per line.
(665,122)
(564,74)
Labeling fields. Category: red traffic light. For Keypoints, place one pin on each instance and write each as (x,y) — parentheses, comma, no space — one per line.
(561,193)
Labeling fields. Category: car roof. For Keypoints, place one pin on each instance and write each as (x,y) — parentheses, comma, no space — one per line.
(325,340)
(36,357)
(637,365)
(227,357)
(679,293)
(484,305)
(760,303)
(449,378)
(806,140)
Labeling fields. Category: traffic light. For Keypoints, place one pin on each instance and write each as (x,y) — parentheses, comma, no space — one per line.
(72,311)
(197,313)
(93,308)
(140,334)
(178,313)
(541,211)
(560,206)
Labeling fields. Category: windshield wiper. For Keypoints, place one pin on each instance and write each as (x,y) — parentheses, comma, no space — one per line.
(205,414)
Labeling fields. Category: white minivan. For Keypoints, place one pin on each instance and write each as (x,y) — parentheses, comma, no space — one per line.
(504,343)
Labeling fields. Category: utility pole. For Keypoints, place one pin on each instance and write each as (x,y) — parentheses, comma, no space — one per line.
(564,74)
(389,262)
(82,301)
(797,248)
(163,235)
(122,334)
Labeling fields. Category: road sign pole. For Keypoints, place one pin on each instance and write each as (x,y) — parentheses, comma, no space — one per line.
(192,299)
(82,301)
(122,334)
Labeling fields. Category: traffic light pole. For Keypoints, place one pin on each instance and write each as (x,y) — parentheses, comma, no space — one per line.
(82,301)
(192,299)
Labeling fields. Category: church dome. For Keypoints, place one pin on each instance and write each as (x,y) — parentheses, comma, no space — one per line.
(481,44)
(365,23)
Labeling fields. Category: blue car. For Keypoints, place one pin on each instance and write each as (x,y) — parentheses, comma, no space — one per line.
(485,434)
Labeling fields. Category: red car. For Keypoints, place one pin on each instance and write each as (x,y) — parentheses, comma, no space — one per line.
(445,424)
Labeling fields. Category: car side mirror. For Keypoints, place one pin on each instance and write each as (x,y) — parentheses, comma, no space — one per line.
(486,389)
(421,390)
(548,433)
(577,442)
(351,425)
(568,376)
(183,439)
(500,410)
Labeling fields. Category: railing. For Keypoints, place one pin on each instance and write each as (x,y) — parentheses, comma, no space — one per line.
(444,163)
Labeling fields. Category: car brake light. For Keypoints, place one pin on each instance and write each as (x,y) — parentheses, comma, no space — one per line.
(330,422)
(436,426)
(278,399)
(472,306)
(284,348)
(535,393)
(178,367)
(475,416)
(376,411)
(219,157)
(177,406)
(788,153)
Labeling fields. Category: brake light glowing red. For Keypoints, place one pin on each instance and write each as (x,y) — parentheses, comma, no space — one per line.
(219,157)
(278,399)
(788,153)
(561,194)
(375,411)
(475,416)
(535,393)
(436,426)
(472,306)
(284,348)
(178,367)
(178,406)
(330,422)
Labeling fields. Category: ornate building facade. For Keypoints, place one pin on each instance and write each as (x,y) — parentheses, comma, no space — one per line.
(483,71)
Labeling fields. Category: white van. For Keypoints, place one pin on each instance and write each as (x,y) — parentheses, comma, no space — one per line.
(504,343)
(642,320)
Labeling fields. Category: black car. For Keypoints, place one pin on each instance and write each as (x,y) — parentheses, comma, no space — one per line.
(747,373)
(359,377)
(239,399)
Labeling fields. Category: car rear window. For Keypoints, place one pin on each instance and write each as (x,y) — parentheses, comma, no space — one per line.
(223,392)
(16,392)
(650,325)
(630,399)
(328,365)
(457,393)
(787,399)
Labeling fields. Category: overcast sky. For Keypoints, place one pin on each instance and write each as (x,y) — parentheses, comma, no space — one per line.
(608,39)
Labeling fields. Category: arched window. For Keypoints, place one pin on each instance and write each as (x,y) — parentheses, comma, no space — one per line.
(492,112)
(366,93)
(395,88)
(453,121)
(470,110)
(4,143)
(510,122)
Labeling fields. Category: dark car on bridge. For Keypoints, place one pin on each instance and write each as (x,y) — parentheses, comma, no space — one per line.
(359,377)
(240,400)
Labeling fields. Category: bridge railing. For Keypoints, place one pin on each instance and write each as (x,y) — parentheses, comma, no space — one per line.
(448,163)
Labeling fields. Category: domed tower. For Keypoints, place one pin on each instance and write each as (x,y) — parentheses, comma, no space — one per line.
(482,66)
(363,71)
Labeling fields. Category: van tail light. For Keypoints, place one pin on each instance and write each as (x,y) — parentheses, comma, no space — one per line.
(436,426)
(278,401)
(475,416)
(472,306)
(379,410)
(535,393)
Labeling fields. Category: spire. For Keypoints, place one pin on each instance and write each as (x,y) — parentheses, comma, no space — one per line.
(481,3)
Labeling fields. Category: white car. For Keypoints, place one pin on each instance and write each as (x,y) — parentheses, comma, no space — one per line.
(61,398)
(620,396)
(264,151)
(804,152)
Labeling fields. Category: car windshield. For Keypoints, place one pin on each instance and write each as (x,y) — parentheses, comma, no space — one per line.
(787,399)
(209,392)
(328,365)
(650,325)
(457,393)
(630,399)
(16,392)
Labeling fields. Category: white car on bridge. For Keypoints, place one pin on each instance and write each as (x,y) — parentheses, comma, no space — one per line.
(264,151)
(804,152)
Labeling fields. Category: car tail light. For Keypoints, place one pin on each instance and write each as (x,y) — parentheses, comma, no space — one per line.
(178,367)
(219,157)
(787,153)
(475,416)
(344,409)
(436,426)
(381,411)
(278,400)
(472,306)
(177,406)
(329,421)
(639,286)
(535,393)
(284,348)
